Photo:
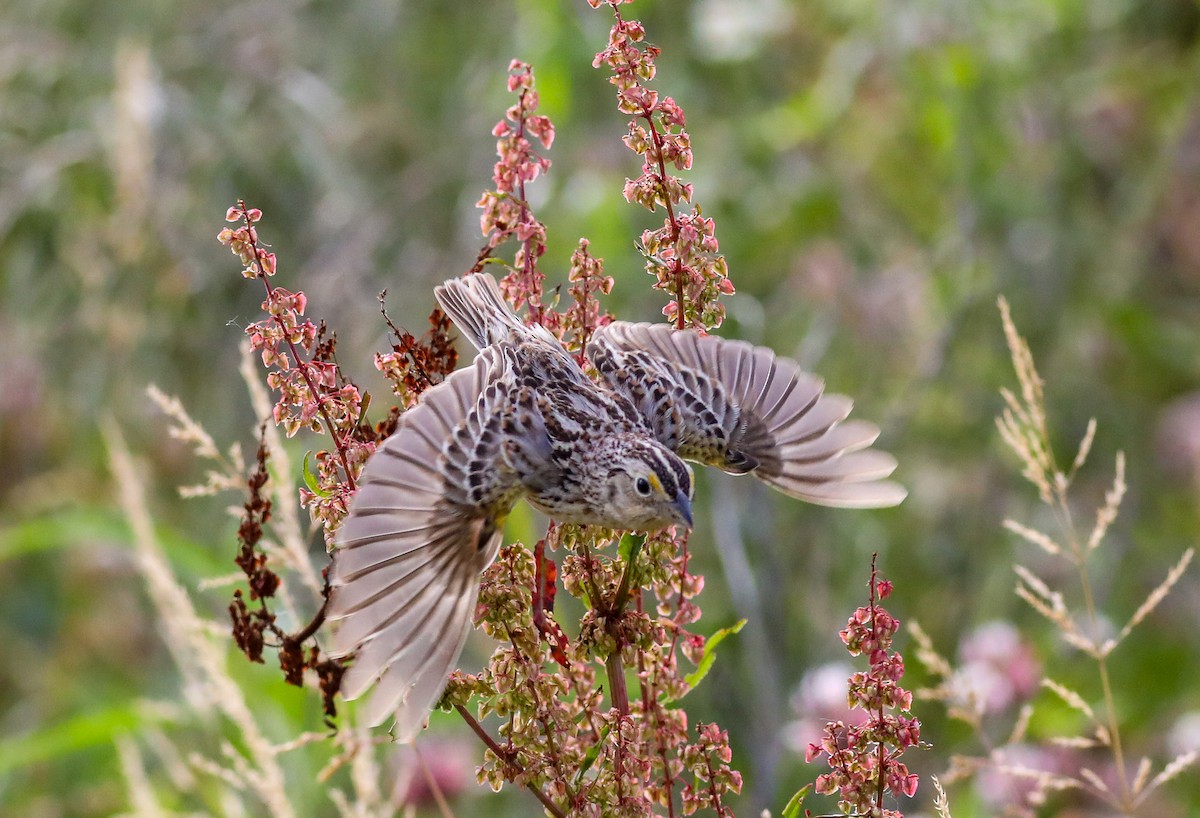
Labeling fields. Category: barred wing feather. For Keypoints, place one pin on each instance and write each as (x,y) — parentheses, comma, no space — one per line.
(406,570)
(741,408)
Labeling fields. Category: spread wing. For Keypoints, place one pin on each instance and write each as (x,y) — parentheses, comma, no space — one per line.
(740,408)
(424,523)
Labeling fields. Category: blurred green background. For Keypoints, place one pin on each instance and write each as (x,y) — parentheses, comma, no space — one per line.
(879,173)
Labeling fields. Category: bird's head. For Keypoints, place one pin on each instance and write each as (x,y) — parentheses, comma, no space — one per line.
(649,486)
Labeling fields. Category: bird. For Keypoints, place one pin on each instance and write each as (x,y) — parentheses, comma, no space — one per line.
(524,421)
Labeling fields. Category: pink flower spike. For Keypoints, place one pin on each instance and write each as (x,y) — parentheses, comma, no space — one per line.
(863,757)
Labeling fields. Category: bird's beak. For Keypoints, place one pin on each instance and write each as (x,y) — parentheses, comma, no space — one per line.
(683,508)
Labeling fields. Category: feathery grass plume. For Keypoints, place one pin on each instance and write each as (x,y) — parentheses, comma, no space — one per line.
(1023,427)
(941,802)
(137,782)
(227,470)
(1022,424)
(961,702)
(250,771)
(255,767)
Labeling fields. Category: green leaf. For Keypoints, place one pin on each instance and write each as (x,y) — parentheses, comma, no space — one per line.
(628,545)
(311,481)
(79,527)
(79,733)
(592,754)
(792,810)
(63,529)
(628,551)
(710,655)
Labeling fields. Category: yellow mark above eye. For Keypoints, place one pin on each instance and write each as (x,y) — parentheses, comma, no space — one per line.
(653,478)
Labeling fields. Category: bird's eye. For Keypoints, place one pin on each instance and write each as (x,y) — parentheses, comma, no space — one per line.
(643,486)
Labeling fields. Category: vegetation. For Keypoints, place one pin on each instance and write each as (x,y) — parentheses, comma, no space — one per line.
(878,174)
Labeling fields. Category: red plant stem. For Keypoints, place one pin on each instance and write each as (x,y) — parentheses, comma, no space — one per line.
(661,746)
(645,684)
(539,582)
(535,308)
(586,330)
(650,705)
(581,695)
(593,588)
(682,579)
(555,756)
(881,785)
(881,748)
(613,665)
(620,759)
(616,681)
(301,364)
(318,619)
(712,788)
(508,758)
(662,182)
(648,115)
(670,779)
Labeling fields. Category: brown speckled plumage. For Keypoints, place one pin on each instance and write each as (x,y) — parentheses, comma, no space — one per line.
(523,421)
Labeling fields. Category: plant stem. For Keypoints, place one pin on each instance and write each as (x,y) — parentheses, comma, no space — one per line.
(616,681)
(338,443)
(508,759)
(662,181)
(529,245)
(613,664)
(431,781)
(1089,601)
(648,115)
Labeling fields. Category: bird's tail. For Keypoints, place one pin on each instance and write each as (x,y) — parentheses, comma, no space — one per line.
(476,306)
